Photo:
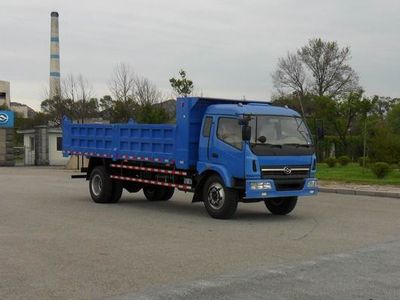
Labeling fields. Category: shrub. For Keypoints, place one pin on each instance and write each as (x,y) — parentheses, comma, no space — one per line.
(380,169)
(344,160)
(395,166)
(331,162)
(361,161)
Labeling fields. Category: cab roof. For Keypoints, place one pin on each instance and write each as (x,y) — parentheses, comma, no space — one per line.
(250,108)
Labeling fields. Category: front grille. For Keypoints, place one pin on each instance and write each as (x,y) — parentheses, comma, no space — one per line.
(287,178)
(281,172)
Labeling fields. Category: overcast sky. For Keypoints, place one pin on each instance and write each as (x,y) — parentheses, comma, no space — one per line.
(228,48)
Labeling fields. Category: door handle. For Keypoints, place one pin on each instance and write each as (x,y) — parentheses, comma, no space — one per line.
(215,155)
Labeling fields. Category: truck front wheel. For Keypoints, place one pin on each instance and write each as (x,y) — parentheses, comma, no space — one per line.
(156,193)
(220,202)
(102,188)
(281,206)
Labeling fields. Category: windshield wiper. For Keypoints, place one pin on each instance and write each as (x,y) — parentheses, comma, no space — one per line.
(298,145)
(273,145)
(267,144)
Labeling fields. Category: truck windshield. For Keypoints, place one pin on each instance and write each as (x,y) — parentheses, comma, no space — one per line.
(279,131)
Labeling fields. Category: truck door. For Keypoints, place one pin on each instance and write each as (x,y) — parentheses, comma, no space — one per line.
(226,145)
(205,139)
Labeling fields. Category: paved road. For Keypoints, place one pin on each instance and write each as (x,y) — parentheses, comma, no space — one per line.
(370,273)
(56,243)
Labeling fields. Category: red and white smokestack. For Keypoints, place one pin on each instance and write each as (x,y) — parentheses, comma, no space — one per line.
(55,85)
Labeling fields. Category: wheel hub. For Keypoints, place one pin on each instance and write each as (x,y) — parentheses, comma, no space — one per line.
(216,195)
(97,185)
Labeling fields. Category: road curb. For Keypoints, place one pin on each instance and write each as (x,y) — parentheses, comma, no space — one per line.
(359,192)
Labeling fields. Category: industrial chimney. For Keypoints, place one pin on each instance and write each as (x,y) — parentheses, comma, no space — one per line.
(55,86)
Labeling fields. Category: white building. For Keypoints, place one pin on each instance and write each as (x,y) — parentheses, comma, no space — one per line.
(43,146)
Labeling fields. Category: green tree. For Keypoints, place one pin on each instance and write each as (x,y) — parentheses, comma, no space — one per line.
(57,108)
(382,105)
(151,114)
(83,109)
(393,118)
(117,111)
(343,115)
(384,145)
(182,86)
(39,118)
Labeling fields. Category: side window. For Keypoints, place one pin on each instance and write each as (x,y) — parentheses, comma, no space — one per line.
(31,143)
(230,132)
(207,127)
(59,143)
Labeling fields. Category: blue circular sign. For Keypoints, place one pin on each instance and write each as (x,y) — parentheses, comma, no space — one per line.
(3,118)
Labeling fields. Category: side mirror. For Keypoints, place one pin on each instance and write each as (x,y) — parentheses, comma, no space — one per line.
(246,133)
(244,120)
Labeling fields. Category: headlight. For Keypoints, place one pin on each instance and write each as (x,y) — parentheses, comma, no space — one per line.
(260,185)
(312,184)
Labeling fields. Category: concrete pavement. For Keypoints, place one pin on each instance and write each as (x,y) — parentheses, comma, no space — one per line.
(56,243)
(369,273)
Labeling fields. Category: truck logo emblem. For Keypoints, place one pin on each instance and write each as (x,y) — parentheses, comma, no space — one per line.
(3,118)
(287,170)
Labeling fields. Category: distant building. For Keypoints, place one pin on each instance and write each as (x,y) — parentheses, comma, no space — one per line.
(43,146)
(5,93)
(22,110)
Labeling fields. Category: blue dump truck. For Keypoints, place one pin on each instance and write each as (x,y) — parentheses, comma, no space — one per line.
(224,151)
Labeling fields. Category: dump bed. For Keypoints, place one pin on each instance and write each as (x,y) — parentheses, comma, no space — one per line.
(149,142)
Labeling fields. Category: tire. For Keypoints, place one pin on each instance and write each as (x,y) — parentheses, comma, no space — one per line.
(102,188)
(117,189)
(281,206)
(156,193)
(220,202)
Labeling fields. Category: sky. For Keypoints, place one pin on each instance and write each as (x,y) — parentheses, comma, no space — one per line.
(229,48)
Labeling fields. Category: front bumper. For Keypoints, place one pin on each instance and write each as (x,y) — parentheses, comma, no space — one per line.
(310,189)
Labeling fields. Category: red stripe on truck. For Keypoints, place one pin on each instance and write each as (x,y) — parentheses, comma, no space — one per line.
(182,173)
(179,186)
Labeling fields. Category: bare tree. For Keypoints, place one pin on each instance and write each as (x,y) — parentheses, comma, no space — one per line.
(145,92)
(87,106)
(320,68)
(122,82)
(290,75)
(79,91)
(69,87)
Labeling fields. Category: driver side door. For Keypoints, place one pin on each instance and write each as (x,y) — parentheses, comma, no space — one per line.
(227,146)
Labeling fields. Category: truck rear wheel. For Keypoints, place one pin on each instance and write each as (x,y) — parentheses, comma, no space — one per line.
(220,202)
(102,188)
(157,193)
(281,206)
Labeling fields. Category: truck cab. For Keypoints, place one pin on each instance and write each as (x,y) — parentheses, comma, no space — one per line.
(265,151)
